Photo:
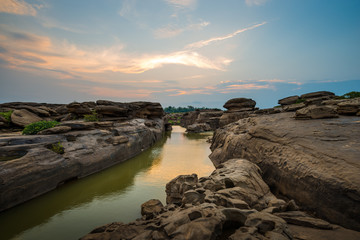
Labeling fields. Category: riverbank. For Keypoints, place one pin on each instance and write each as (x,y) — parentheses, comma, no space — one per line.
(103,134)
(113,194)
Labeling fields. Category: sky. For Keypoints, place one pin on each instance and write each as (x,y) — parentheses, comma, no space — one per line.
(177,52)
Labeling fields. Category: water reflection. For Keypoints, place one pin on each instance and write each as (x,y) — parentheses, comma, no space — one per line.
(112,195)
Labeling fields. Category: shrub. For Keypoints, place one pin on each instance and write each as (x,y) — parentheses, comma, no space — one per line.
(352,94)
(93,117)
(6,115)
(36,127)
(57,147)
(300,100)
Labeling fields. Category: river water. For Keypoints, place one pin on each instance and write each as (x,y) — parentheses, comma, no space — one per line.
(115,194)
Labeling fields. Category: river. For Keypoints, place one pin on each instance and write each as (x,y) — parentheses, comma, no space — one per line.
(115,194)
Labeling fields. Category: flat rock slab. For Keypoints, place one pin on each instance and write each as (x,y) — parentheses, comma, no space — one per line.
(315,162)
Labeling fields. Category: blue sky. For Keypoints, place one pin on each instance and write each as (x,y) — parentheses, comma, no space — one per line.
(179,53)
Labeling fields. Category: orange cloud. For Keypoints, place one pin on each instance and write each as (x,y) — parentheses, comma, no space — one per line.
(18,7)
(246,86)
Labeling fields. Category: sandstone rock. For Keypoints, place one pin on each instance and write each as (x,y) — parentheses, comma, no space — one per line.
(317,94)
(111,110)
(288,100)
(316,112)
(302,219)
(78,125)
(189,118)
(178,186)
(39,170)
(349,107)
(236,104)
(230,117)
(198,127)
(151,208)
(313,162)
(78,108)
(62,109)
(24,117)
(317,100)
(55,130)
(293,107)
(37,110)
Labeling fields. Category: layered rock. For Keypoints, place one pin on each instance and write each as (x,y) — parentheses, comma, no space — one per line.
(201,120)
(314,162)
(87,147)
(232,203)
(237,108)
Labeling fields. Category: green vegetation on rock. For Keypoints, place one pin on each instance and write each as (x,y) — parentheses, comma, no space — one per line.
(93,117)
(57,147)
(6,115)
(300,100)
(352,94)
(36,127)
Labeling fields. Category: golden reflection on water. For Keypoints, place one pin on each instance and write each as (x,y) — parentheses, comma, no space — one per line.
(112,195)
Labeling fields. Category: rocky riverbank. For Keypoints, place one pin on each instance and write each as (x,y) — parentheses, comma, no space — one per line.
(306,151)
(35,164)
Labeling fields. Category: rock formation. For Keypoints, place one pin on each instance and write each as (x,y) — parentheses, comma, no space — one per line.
(35,164)
(232,203)
(238,108)
(314,162)
(201,120)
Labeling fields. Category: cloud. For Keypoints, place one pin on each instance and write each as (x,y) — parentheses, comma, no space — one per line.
(255,2)
(25,51)
(182,3)
(170,30)
(204,43)
(19,7)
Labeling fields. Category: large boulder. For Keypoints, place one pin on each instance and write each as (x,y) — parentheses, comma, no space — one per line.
(349,107)
(111,110)
(316,112)
(151,208)
(288,100)
(317,95)
(314,162)
(23,117)
(240,104)
(78,108)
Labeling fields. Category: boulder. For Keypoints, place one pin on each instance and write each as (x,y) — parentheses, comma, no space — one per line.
(230,117)
(78,108)
(55,130)
(237,104)
(349,107)
(151,208)
(293,107)
(314,162)
(288,100)
(176,188)
(317,94)
(317,112)
(110,110)
(23,117)
(43,112)
(198,127)
(303,219)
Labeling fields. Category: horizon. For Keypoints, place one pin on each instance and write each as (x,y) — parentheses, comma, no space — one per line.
(178,53)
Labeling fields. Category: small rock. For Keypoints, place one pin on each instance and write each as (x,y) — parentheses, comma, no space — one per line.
(55,130)
(239,104)
(151,208)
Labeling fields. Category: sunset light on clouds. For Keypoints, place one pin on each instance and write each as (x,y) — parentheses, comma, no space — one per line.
(190,52)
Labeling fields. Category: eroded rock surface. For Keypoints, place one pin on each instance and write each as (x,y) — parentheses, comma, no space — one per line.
(208,208)
(315,162)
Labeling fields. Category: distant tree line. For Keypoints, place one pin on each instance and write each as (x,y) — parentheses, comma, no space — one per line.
(172,109)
